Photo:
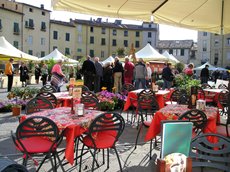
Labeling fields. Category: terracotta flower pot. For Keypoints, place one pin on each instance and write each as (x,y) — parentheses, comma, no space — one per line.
(16,111)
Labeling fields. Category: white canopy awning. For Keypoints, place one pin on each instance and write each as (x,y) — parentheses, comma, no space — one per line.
(170,57)
(109,59)
(211,67)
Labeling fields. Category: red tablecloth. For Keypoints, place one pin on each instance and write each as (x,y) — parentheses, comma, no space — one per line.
(74,126)
(64,97)
(171,112)
(132,98)
(215,91)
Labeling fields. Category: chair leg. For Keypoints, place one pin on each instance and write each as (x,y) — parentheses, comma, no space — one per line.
(150,152)
(46,157)
(94,159)
(60,163)
(138,133)
(25,161)
(119,161)
(107,158)
(82,149)
(103,154)
(76,149)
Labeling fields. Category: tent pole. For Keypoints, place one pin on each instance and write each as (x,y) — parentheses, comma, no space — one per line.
(222,33)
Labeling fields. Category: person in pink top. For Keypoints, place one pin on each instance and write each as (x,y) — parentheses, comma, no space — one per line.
(58,76)
(128,74)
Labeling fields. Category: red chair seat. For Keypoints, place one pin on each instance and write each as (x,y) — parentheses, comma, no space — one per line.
(102,141)
(221,129)
(42,145)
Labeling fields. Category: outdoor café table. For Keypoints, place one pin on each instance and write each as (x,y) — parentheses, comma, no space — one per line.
(74,126)
(133,95)
(215,91)
(173,111)
(64,97)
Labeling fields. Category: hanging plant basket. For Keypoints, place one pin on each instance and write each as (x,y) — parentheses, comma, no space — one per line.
(16,110)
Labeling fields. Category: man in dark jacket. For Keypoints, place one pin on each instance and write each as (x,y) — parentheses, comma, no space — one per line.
(89,71)
(204,74)
(117,74)
(167,76)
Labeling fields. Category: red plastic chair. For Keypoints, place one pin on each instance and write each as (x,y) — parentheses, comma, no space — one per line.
(38,136)
(103,134)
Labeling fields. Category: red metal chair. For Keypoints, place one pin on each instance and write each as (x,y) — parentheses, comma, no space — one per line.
(103,133)
(38,136)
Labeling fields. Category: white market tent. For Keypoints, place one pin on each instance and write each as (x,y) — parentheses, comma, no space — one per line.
(56,56)
(109,59)
(211,67)
(7,51)
(170,57)
(148,53)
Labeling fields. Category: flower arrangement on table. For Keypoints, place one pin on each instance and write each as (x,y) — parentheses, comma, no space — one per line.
(110,101)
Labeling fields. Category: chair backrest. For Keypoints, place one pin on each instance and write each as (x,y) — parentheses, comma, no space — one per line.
(107,123)
(147,101)
(197,117)
(126,88)
(223,98)
(200,92)
(83,87)
(90,102)
(222,86)
(48,88)
(37,104)
(183,99)
(206,85)
(211,155)
(37,126)
(176,94)
(50,96)
(88,93)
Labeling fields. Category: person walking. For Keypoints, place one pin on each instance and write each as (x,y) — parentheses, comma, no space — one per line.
(89,71)
(117,74)
(9,71)
(204,74)
(58,76)
(44,72)
(23,74)
(128,71)
(167,76)
(99,75)
(140,74)
(108,76)
(37,73)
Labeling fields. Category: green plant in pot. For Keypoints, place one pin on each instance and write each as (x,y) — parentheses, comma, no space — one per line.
(16,108)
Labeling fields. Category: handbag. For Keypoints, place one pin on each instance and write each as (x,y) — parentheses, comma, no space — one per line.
(56,79)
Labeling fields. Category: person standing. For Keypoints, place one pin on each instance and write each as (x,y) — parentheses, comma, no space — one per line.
(189,70)
(167,76)
(58,76)
(140,74)
(44,72)
(9,71)
(149,75)
(128,71)
(99,75)
(23,74)
(37,73)
(108,76)
(117,72)
(204,74)
(89,71)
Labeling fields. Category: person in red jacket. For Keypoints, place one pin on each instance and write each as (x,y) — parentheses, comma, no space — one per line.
(128,71)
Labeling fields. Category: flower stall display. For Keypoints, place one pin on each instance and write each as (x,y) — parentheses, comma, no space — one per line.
(110,101)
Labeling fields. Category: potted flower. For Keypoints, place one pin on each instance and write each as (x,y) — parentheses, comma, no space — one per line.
(16,109)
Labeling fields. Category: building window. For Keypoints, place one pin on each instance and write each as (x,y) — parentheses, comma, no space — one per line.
(55,47)
(67,36)
(43,13)
(30,40)
(204,45)
(55,35)
(31,23)
(137,44)
(160,51)
(149,42)
(79,38)
(125,33)
(16,44)
(91,53)
(170,51)
(79,28)
(79,50)
(31,10)
(216,57)
(114,32)
(228,41)
(16,28)
(43,26)
(149,34)
(43,53)
(91,29)
(102,41)
(125,43)
(216,42)
(43,41)
(114,42)
(182,52)
(137,34)
(205,33)
(103,30)
(30,52)
(91,40)
(0,24)
(67,51)
(102,54)
(150,25)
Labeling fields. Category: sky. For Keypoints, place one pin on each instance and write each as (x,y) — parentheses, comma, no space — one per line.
(166,32)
